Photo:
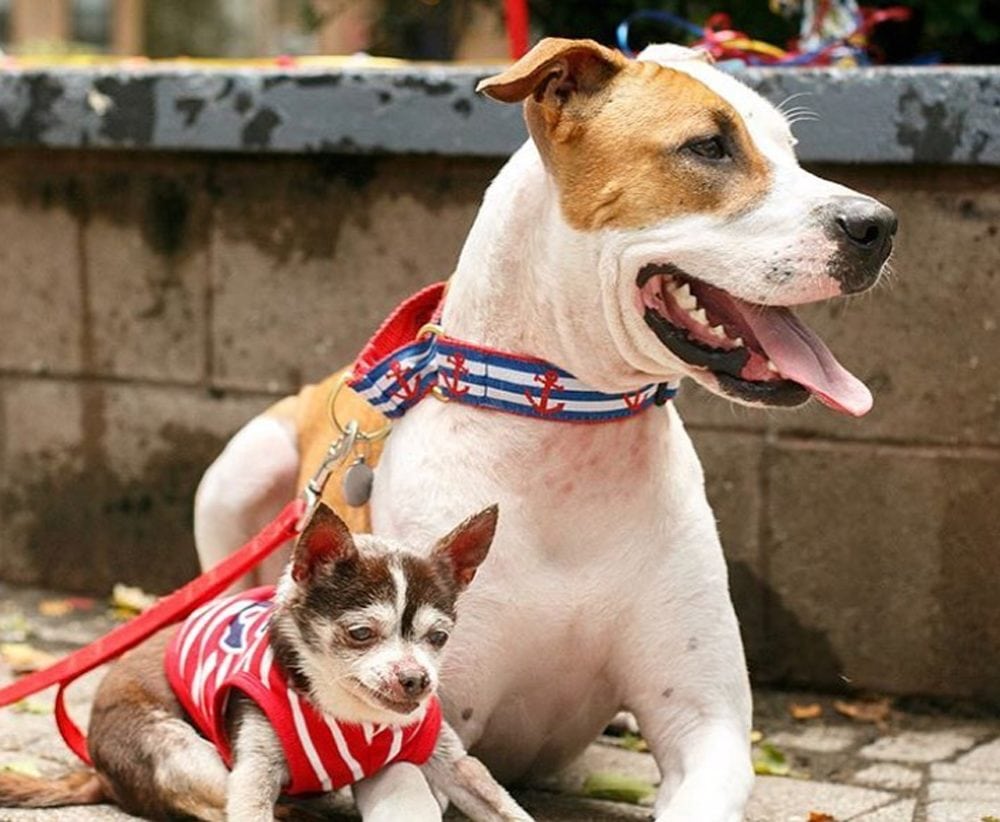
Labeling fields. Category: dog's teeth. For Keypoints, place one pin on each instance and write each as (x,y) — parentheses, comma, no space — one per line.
(772,367)
(738,342)
(718,331)
(685,299)
(700,316)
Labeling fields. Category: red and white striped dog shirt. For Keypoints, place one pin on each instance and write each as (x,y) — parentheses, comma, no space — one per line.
(224,646)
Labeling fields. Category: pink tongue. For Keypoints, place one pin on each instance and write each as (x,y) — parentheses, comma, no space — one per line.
(803,357)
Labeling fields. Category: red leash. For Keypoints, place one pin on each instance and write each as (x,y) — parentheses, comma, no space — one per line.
(167,611)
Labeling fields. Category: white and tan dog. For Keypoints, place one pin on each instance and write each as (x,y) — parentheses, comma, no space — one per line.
(651,229)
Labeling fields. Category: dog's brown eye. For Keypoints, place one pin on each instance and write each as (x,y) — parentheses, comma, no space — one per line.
(361,634)
(711,148)
(437,638)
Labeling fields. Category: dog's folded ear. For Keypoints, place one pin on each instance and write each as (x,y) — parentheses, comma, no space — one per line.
(325,539)
(465,548)
(554,70)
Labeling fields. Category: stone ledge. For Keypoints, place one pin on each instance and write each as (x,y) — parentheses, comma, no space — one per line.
(888,115)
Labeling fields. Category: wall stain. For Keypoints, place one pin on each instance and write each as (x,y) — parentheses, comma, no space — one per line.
(43,92)
(131,117)
(432,88)
(929,129)
(89,528)
(258,130)
(191,108)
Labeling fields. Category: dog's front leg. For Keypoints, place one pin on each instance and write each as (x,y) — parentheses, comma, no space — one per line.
(465,780)
(259,768)
(688,687)
(702,748)
(398,791)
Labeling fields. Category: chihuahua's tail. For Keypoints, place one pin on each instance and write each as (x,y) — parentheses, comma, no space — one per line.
(77,788)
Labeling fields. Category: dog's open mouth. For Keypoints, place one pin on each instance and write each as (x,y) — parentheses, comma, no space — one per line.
(758,353)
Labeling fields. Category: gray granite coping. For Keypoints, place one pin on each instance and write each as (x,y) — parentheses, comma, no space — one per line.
(872,115)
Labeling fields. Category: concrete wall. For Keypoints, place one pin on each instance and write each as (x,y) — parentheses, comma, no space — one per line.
(151,303)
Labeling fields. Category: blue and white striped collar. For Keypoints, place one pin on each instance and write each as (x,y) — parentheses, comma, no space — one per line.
(393,377)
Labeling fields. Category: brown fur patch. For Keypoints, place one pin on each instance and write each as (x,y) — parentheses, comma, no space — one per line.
(617,154)
(427,583)
(77,788)
(308,411)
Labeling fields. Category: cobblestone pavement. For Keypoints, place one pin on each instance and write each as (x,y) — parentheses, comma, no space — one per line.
(914,767)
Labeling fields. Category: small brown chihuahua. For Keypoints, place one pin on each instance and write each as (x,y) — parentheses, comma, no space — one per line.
(327,681)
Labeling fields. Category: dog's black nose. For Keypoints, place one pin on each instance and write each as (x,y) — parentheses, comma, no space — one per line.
(863,229)
(867,224)
(414,681)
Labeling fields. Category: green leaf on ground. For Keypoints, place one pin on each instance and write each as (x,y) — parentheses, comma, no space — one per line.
(31,706)
(634,742)
(618,788)
(14,627)
(24,767)
(769,761)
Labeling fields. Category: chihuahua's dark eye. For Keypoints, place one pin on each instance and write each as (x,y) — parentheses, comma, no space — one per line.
(361,634)
(437,638)
(709,148)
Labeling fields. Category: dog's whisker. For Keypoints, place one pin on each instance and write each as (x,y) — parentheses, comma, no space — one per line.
(790,97)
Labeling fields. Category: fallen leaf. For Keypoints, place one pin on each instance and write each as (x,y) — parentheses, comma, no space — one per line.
(24,658)
(54,607)
(14,627)
(31,706)
(756,736)
(634,742)
(990,819)
(618,788)
(813,710)
(24,767)
(817,816)
(769,761)
(129,600)
(870,710)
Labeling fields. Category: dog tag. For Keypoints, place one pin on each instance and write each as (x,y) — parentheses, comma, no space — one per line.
(357,483)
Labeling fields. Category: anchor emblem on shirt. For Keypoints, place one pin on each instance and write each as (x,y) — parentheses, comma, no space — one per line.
(408,389)
(458,370)
(549,382)
(633,401)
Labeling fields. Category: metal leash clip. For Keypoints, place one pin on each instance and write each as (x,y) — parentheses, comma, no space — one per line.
(338,451)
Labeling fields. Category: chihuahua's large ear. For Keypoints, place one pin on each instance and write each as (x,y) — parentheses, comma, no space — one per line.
(554,70)
(464,549)
(325,540)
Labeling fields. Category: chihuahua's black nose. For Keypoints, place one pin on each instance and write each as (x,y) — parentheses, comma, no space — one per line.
(414,681)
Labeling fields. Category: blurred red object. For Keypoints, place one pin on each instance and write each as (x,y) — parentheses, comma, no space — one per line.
(516,12)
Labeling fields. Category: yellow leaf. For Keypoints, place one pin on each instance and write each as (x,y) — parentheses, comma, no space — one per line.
(24,767)
(24,658)
(54,607)
(130,600)
(31,706)
(872,710)
(813,710)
